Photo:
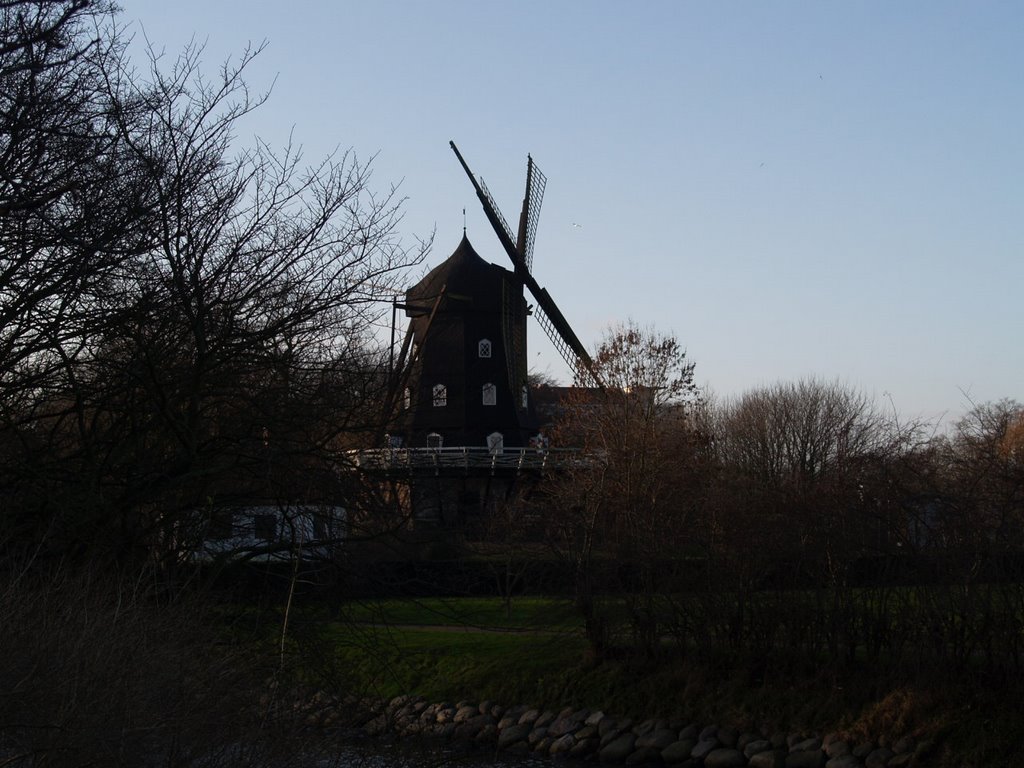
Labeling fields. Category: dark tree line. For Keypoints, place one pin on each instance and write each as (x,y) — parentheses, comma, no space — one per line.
(798,521)
(185,319)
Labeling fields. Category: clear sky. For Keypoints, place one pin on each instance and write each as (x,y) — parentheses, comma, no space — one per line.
(792,188)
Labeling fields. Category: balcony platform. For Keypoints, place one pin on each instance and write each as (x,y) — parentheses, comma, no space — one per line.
(465,460)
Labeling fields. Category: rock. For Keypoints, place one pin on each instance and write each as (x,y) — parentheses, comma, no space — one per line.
(546,718)
(724,757)
(878,758)
(584,748)
(529,717)
(746,738)
(924,749)
(618,750)
(562,726)
(901,761)
(828,738)
(837,748)
(607,725)
(690,732)
(844,761)
(485,707)
(610,736)
(864,749)
(376,726)
(727,737)
(465,712)
(513,734)
(562,744)
(776,758)
(678,751)
(645,727)
(580,715)
(399,701)
(542,746)
(586,732)
(755,747)
(536,734)
(507,722)
(446,714)
(658,739)
(805,758)
(481,721)
(710,732)
(487,734)
(645,756)
(805,745)
(567,712)
(903,746)
(595,718)
(779,740)
(704,748)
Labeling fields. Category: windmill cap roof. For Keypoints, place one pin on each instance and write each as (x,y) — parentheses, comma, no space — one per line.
(465,271)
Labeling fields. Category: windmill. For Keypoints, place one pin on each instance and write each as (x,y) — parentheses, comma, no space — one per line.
(463,428)
(520,251)
(464,356)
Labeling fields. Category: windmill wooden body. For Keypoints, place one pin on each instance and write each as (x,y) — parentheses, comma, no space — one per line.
(468,382)
(464,408)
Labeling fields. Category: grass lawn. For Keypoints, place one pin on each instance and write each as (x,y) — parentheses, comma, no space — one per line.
(469,648)
(525,613)
(454,663)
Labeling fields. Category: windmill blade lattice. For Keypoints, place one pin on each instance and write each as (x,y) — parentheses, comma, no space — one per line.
(496,211)
(535,183)
(520,251)
(581,371)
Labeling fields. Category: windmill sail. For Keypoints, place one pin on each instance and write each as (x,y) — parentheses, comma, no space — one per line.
(520,251)
(534,196)
(501,228)
(562,336)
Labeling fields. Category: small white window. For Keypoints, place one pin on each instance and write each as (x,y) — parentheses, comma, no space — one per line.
(523,397)
(407,398)
(495,442)
(490,394)
(440,395)
(434,440)
(484,348)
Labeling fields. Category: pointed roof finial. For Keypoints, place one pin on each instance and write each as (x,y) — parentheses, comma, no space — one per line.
(463,222)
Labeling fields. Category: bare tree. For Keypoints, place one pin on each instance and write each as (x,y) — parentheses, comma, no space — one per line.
(220,344)
(626,501)
(61,182)
(980,490)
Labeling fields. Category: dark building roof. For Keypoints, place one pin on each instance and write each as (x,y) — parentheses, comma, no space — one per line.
(465,273)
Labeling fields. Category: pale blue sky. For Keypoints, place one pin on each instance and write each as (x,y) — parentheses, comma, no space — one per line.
(793,188)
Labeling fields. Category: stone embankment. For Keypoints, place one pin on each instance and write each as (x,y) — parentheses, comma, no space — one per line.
(615,741)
